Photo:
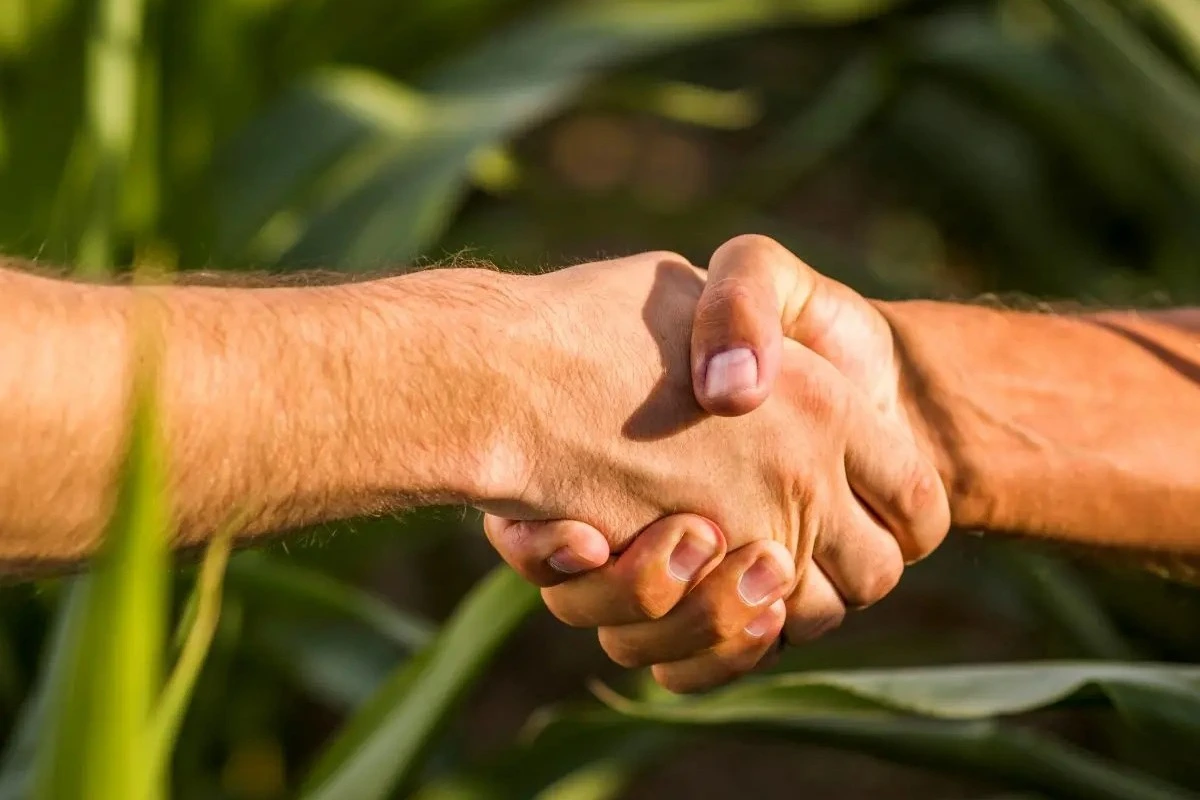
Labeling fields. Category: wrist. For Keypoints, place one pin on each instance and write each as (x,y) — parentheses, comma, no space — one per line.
(467,330)
(925,374)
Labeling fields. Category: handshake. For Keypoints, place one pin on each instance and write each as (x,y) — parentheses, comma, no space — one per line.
(698,464)
(706,465)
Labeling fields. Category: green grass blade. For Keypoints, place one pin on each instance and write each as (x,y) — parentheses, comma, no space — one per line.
(168,715)
(270,581)
(94,747)
(20,755)
(572,756)
(1066,602)
(113,49)
(381,746)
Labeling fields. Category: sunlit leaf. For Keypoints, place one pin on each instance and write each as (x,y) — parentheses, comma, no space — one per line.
(425,141)
(1164,100)
(202,624)
(945,718)
(571,756)
(271,582)
(382,745)
(99,712)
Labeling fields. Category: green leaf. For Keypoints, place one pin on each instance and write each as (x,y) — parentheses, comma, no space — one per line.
(21,753)
(374,170)
(944,718)
(1065,601)
(381,746)
(571,756)
(852,100)
(95,745)
(271,582)
(202,624)
(114,48)
(1156,92)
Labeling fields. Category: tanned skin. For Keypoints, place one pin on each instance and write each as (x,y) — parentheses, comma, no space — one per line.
(1075,429)
(572,397)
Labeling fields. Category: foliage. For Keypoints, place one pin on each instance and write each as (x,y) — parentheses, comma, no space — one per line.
(1045,146)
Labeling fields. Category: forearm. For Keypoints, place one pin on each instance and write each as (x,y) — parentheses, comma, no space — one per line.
(281,407)
(1081,429)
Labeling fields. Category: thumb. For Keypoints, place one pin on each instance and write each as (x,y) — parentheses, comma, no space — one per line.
(756,291)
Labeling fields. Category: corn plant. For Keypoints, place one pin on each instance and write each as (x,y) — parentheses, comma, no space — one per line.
(1046,146)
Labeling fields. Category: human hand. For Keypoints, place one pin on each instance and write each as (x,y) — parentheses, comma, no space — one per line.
(880,506)
(605,427)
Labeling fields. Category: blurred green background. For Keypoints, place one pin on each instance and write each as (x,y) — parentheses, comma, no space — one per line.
(1047,148)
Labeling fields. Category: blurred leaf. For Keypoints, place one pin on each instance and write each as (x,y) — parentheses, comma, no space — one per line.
(839,113)
(1162,97)
(585,754)
(965,692)
(988,176)
(1065,600)
(1064,109)
(21,752)
(172,704)
(335,664)
(111,117)
(99,710)
(269,581)
(1182,20)
(380,748)
(942,717)
(419,147)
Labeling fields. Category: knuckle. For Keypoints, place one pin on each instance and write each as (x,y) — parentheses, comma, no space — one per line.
(648,601)
(667,256)
(818,396)
(877,582)
(723,299)
(715,622)
(558,603)
(813,626)
(678,683)
(747,246)
(619,650)
(923,509)
(920,491)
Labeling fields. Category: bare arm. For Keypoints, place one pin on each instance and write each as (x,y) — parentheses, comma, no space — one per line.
(283,404)
(1083,429)
(560,396)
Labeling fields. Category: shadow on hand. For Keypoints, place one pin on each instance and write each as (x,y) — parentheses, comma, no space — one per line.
(671,406)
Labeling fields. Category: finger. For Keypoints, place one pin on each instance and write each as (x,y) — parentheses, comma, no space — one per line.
(737,333)
(720,608)
(814,608)
(654,573)
(547,553)
(729,660)
(902,488)
(859,557)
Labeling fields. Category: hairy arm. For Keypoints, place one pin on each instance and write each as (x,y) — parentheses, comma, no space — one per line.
(1084,429)
(282,406)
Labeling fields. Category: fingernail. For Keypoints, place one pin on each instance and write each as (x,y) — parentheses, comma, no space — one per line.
(760,581)
(731,372)
(765,621)
(568,562)
(691,553)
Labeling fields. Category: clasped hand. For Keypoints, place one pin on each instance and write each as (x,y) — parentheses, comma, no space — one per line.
(748,482)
